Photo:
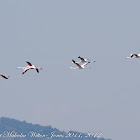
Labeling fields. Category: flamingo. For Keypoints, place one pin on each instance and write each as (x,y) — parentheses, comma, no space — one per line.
(4,76)
(30,66)
(133,56)
(80,66)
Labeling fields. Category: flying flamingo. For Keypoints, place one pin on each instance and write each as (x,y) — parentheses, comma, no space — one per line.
(4,76)
(133,56)
(30,66)
(80,66)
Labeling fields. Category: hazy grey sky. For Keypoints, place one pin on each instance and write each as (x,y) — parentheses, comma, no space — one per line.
(49,33)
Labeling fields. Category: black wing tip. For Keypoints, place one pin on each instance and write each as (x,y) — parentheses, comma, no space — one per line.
(73,61)
(5,77)
(37,70)
(27,61)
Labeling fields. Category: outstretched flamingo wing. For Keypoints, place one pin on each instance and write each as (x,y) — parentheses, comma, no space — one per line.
(25,71)
(4,76)
(29,63)
(81,58)
(76,63)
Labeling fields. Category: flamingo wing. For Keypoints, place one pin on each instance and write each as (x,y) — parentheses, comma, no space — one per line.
(25,71)
(29,63)
(76,63)
(81,58)
(4,76)
(136,55)
(37,70)
(73,61)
